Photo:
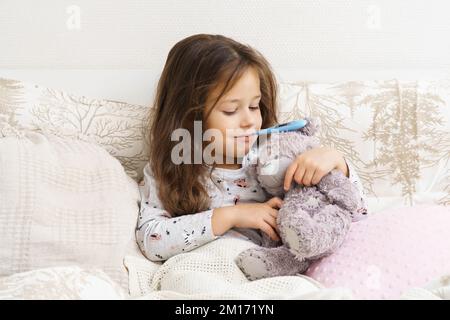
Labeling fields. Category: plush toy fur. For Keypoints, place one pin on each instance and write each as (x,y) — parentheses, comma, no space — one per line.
(313,221)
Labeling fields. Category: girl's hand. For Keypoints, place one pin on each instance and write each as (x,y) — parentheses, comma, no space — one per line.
(261,216)
(309,167)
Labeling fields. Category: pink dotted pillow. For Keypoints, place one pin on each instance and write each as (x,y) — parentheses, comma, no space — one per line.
(390,252)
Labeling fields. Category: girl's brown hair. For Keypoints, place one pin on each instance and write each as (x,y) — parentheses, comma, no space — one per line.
(196,66)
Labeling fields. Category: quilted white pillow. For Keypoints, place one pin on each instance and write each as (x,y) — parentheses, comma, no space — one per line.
(63,202)
(60,283)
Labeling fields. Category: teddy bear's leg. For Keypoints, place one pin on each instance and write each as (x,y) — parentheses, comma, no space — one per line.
(259,262)
(310,237)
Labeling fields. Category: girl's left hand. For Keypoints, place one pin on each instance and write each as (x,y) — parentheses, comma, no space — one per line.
(309,167)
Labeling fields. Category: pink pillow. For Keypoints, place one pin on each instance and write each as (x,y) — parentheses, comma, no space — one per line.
(390,252)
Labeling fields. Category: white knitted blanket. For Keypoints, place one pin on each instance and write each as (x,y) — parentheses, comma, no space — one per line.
(209,272)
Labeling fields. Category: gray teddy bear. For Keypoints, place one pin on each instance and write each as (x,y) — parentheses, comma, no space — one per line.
(312,222)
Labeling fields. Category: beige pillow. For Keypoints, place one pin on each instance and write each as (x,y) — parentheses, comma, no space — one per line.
(117,126)
(396,134)
(63,202)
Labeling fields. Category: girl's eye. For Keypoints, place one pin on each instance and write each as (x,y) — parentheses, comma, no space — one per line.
(229,113)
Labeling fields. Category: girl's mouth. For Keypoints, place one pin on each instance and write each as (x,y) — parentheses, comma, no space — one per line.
(245,139)
(244,135)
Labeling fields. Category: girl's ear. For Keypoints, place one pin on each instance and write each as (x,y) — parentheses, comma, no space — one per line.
(312,126)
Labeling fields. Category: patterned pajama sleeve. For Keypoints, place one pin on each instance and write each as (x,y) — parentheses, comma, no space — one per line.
(160,236)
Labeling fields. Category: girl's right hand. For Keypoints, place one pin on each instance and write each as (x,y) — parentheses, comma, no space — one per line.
(261,216)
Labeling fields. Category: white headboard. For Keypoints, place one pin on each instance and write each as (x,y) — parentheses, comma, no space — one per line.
(116,49)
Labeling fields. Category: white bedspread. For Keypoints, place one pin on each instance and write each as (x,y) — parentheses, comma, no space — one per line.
(207,272)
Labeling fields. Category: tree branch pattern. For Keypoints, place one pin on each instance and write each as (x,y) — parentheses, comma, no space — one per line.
(393,132)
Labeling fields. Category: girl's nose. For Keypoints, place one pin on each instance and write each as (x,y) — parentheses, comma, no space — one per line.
(248,119)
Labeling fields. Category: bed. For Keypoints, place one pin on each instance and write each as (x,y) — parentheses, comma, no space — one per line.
(396,134)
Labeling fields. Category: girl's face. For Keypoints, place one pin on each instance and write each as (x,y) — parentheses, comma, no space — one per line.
(236,112)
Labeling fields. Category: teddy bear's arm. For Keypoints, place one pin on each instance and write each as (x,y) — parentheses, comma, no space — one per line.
(341,191)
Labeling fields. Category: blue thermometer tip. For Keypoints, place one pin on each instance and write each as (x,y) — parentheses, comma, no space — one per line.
(283,127)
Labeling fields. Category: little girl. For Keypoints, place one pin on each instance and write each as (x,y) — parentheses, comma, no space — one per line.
(228,86)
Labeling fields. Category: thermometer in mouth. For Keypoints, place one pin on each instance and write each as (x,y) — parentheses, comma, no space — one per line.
(283,127)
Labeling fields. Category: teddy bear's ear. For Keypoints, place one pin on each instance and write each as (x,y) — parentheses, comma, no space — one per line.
(312,126)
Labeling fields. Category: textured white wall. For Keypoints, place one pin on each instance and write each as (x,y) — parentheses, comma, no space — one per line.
(303,39)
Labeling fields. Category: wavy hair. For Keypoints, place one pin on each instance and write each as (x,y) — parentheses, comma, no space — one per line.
(196,66)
